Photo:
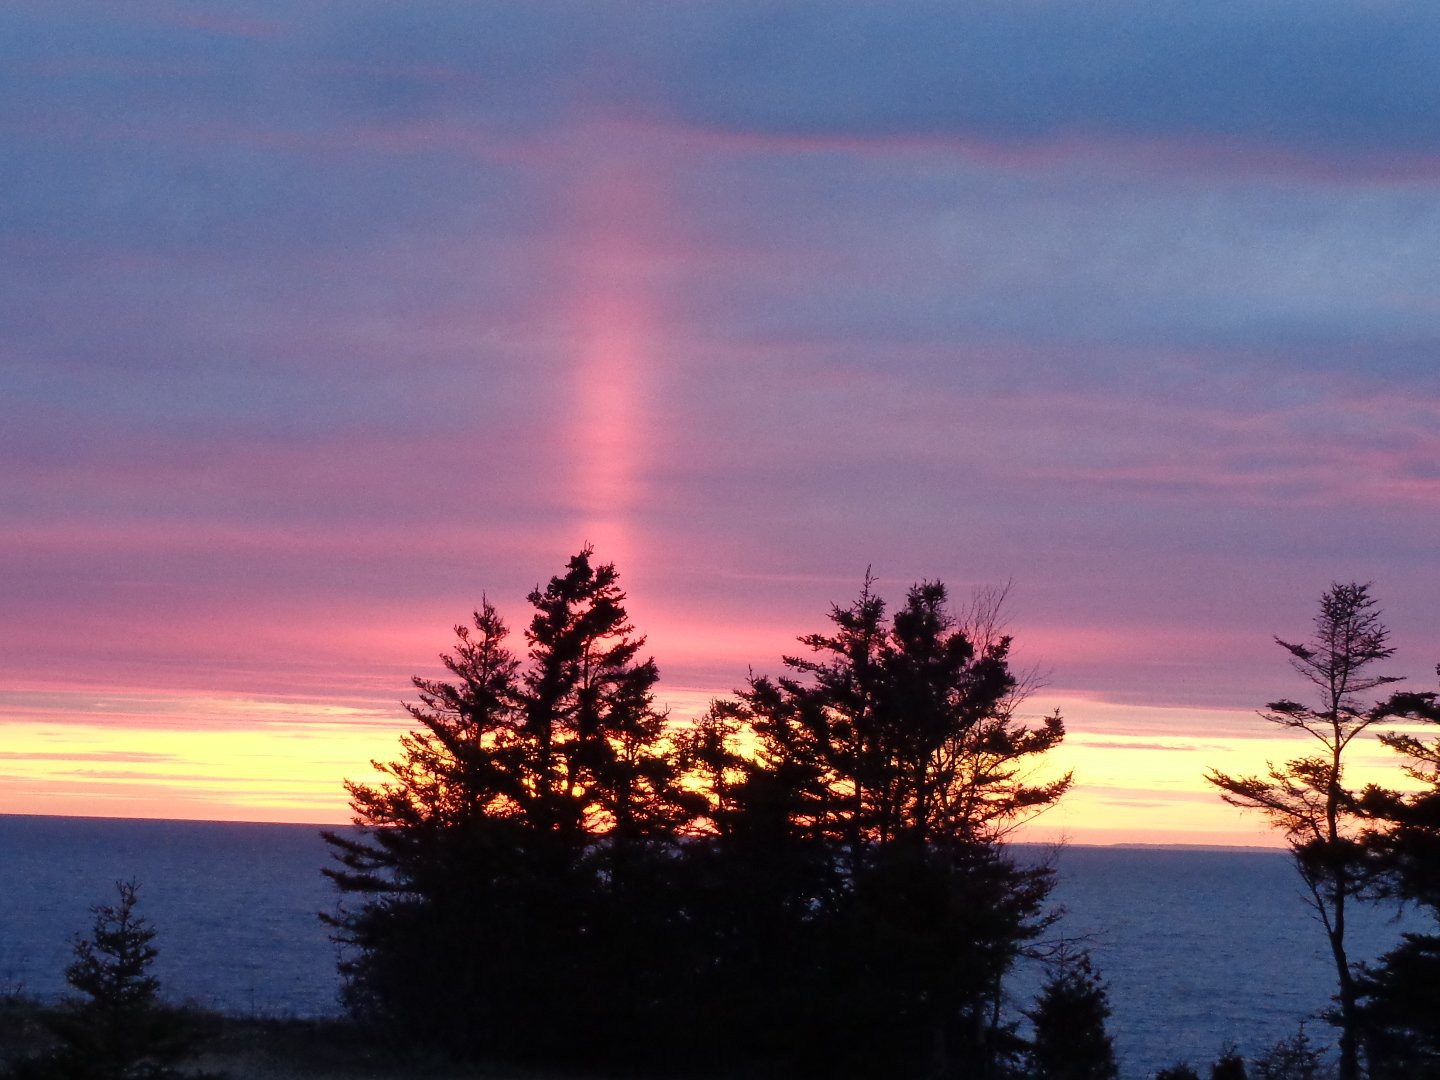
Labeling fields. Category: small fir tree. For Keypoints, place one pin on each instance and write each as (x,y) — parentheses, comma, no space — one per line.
(119,1029)
(1294,1058)
(1070,1041)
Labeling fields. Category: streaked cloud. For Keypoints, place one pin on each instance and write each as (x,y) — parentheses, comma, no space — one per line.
(317,323)
(113,756)
(1148,747)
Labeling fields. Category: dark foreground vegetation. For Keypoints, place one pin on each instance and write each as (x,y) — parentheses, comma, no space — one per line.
(811,880)
(250,1048)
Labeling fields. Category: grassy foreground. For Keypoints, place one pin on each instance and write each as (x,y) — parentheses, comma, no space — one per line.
(274,1049)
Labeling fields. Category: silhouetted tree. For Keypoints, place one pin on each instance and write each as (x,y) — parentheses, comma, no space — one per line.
(884,770)
(813,875)
(1401,1010)
(511,866)
(1293,1058)
(1229,1066)
(1401,993)
(118,1029)
(1070,1041)
(1306,798)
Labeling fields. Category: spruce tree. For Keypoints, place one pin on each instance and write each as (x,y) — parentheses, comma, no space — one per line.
(1070,1041)
(512,858)
(1400,994)
(118,1029)
(1293,1058)
(866,820)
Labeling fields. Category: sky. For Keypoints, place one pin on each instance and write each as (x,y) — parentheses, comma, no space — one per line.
(321,321)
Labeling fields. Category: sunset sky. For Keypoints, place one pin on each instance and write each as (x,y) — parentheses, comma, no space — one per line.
(320,320)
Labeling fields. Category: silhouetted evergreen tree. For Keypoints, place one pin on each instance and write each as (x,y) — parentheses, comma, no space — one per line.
(1401,993)
(1307,798)
(513,868)
(813,877)
(1401,1011)
(118,1029)
(1070,1041)
(884,770)
(1293,1058)
(757,895)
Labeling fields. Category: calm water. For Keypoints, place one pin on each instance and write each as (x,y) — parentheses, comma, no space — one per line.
(1200,947)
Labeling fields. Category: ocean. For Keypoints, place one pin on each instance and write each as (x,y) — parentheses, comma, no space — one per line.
(1200,948)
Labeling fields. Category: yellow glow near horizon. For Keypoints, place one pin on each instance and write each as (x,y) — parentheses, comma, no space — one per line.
(1139,772)
(239,760)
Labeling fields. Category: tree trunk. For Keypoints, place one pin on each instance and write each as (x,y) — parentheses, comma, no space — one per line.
(1349,1019)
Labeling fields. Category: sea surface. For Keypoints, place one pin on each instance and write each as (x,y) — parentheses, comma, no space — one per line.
(1201,948)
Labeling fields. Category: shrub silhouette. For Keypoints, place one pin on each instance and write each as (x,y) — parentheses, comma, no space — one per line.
(1229,1066)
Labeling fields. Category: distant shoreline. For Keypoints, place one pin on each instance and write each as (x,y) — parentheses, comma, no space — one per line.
(323,825)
